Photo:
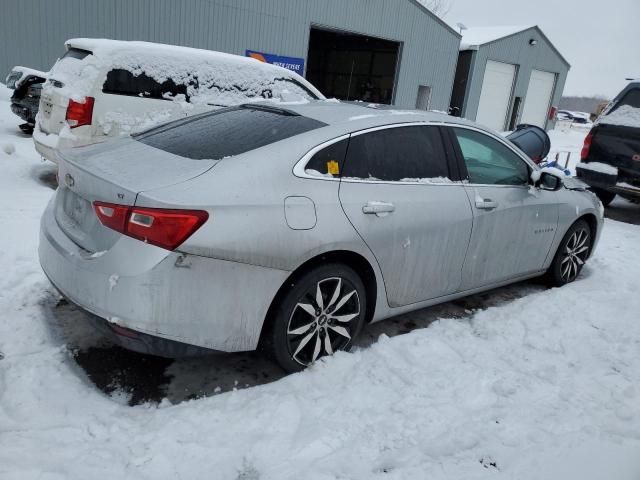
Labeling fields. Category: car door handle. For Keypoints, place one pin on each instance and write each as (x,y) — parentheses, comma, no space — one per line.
(486,204)
(374,208)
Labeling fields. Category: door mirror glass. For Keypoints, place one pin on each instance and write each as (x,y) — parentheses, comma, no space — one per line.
(547,179)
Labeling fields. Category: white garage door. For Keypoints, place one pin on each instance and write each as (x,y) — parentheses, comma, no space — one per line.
(538,99)
(495,94)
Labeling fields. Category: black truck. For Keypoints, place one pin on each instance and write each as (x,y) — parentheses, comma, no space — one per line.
(610,158)
(27,86)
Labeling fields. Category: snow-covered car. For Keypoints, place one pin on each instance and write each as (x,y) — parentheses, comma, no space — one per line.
(27,85)
(291,228)
(102,89)
(610,158)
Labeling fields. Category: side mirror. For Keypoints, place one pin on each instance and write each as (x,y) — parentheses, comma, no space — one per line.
(547,179)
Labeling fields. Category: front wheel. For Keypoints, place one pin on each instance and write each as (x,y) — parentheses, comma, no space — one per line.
(571,255)
(322,313)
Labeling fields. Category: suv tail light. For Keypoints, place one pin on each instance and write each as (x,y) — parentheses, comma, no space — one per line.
(165,228)
(80,113)
(584,153)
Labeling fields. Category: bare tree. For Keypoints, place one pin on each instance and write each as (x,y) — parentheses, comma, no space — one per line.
(437,7)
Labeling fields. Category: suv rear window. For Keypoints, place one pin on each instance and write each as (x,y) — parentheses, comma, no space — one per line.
(227,132)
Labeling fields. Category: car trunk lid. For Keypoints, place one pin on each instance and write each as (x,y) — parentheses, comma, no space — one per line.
(112,174)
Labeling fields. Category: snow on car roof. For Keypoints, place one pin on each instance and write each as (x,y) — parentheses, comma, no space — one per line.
(475,36)
(210,76)
(108,47)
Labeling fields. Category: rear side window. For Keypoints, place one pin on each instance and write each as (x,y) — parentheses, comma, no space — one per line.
(76,53)
(227,132)
(123,82)
(328,161)
(631,99)
(397,154)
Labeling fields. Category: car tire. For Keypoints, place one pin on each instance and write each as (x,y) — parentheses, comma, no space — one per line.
(322,312)
(572,253)
(605,196)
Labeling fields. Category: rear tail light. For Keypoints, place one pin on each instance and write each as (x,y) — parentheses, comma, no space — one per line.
(165,228)
(80,113)
(584,153)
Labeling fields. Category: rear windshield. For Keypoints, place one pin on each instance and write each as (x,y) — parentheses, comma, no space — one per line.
(227,132)
(631,99)
(77,53)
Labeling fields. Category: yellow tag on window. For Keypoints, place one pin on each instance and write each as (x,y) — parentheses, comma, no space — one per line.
(333,167)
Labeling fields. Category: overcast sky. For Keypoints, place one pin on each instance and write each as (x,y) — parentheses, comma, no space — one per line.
(599,38)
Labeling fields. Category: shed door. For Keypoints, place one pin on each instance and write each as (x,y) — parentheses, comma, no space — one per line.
(496,94)
(538,99)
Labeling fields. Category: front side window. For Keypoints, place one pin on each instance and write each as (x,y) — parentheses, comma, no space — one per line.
(488,161)
(402,154)
(227,132)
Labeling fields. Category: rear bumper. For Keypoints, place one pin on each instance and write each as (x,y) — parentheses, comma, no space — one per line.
(142,342)
(608,182)
(45,144)
(209,303)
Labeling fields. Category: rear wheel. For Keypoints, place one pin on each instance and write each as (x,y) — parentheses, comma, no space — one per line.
(571,255)
(605,196)
(322,313)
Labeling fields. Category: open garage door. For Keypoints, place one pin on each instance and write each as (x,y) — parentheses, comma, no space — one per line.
(352,67)
(538,99)
(495,95)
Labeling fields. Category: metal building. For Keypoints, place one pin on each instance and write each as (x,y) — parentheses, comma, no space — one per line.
(388,51)
(507,76)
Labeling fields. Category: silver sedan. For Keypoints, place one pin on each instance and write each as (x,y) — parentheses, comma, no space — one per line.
(290,227)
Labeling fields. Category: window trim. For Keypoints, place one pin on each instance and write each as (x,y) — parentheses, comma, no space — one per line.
(299,169)
(462,165)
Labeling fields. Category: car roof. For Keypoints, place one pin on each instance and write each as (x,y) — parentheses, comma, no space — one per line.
(359,115)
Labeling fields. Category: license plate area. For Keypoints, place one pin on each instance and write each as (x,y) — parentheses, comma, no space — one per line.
(78,211)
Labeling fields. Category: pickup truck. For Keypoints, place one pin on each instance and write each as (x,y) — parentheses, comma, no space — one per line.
(610,157)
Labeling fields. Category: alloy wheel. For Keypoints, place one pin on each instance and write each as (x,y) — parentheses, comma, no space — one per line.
(575,254)
(324,320)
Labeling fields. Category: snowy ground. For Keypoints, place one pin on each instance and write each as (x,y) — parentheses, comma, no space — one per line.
(536,384)
(567,145)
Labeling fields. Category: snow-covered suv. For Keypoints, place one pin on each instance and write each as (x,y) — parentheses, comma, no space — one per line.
(610,158)
(101,89)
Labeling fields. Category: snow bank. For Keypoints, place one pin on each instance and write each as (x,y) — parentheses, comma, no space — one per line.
(626,116)
(547,386)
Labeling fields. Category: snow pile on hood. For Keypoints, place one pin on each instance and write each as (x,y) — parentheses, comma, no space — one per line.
(24,73)
(210,77)
(625,116)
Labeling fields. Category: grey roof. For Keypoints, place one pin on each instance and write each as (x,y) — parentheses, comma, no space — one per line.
(516,31)
(365,115)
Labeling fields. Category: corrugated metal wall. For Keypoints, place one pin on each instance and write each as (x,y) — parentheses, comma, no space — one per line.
(32,32)
(516,50)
